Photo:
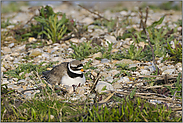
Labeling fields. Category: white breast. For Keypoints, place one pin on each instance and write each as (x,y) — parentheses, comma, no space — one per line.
(66,80)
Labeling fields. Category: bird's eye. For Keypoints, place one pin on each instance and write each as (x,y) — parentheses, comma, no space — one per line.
(80,65)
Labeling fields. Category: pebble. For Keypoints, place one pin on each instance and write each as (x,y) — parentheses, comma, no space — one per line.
(169,72)
(124,13)
(6,50)
(87,20)
(13,54)
(99,55)
(35,52)
(116,85)
(110,39)
(11,45)
(105,60)
(125,61)
(32,39)
(100,86)
(145,72)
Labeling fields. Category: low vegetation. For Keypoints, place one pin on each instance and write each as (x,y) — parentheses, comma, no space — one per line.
(47,106)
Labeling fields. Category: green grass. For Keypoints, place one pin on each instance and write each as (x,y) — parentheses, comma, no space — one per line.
(27,68)
(41,109)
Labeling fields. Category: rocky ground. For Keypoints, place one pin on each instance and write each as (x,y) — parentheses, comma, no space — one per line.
(13,54)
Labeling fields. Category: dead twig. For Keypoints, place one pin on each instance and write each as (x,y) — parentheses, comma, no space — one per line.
(146,32)
(94,13)
(155,97)
(95,83)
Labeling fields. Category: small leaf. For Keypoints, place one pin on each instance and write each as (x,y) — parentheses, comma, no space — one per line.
(104,88)
(157,22)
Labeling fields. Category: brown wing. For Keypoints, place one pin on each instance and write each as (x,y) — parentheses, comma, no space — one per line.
(55,75)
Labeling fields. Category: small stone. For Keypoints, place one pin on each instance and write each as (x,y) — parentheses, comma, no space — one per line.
(5,81)
(116,85)
(15,79)
(3,69)
(99,54)
(21,81)
(169,72)
(51,117)
(114,72)
(11,45)
(75,40)
(101,84)
(132,65)
(114,50)
(105,60)
(151,68)
(110,39)
(35,52)
(178,65)
(142,44)
(32,39)
(124,79)
(160,59)
(87,20)
(2,74)
(80,90)
(70,89)
(6,50)
(124,13)
(179,69)
(15,54)
(125,61)
(145,72)
(20,48)
(136,73)
(10,26)
(109,79)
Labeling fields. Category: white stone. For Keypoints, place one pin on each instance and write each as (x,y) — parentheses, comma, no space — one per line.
(169,72)
(11,45)
(87,20)
(35,52)
(124,79)
(145,72)
(124,13)
(101,84)
(110,39)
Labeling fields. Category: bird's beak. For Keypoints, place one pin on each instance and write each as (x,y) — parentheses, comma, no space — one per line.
(82,70)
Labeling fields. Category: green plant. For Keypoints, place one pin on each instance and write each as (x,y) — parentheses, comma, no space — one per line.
(54,29)
(106,52)
(136,110)
(178,88)
(83,50)
(27,68)
(174,54)
(6,23)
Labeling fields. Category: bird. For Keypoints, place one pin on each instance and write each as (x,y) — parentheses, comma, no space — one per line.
(66,73)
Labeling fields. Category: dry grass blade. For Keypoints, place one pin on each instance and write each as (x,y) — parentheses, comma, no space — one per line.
(155,97)
(95,83)
(103,101)
(143,117)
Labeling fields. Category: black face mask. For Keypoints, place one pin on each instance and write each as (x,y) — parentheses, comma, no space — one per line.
(74,75)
